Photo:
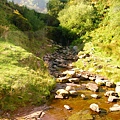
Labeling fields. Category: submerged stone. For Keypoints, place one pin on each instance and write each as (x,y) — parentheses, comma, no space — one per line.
(62,92)
(82,115)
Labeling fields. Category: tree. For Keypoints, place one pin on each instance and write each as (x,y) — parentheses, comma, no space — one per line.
(77,18)
(55,6)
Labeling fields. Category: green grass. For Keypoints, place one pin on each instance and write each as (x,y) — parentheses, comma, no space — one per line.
(104,44)
(23,77)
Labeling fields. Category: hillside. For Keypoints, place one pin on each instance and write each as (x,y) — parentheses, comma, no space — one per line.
(103,43)
(24,79)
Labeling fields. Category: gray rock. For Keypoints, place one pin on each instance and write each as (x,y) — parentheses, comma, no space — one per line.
(94,96)
(92,87)
(99,82)
(59,97)
(112,98)
(92,78)
(68,88)
(67,107)
(117,89)
(62,92)
(35,115)
(94,107)
(69,72)
(75,49)
(62,79)
(109,84)
(73,92)
(115,107)
(109,93)
(73,84)
(83,96)
(74,80)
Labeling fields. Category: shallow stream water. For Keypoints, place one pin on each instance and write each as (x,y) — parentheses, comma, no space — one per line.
(58,112)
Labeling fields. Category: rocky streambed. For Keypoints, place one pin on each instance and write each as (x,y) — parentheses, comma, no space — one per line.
(78,95)
(77,91)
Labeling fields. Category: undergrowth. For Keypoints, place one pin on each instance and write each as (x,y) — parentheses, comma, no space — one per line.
(103,43)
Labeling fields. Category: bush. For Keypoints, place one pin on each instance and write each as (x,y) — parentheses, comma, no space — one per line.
(78,18)
(61,35)
(19,21)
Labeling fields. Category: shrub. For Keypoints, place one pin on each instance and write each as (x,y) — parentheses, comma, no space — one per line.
(19,21)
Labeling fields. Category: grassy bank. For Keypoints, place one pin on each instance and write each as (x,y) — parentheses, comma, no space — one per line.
(103,43)
(24,79)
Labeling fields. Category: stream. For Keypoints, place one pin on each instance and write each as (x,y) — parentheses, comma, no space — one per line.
(61,61)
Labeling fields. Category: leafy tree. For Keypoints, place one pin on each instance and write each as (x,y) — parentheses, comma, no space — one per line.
(77,18)
(55,6)
(33,19)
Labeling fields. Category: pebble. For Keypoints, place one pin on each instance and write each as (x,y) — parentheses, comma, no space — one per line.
(67,107)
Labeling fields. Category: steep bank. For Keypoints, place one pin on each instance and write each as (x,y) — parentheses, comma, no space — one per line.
(24,78)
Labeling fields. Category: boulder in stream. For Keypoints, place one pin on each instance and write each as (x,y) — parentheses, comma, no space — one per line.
(94,96)
(69,72)
(95,107)
(73,92)
(67,107)
(109,84)
(99,82)
(92,86)
(62,92)
(112,98)
(68,88)
(115,107)
(109,93)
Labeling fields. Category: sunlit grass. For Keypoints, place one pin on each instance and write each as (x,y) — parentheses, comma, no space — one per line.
(103,43)
(23,77)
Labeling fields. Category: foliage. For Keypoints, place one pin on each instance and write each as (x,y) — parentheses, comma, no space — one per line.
(79,18)
(103,41)
(60,35)
(49,20)
(36,20)
(55,6)
(19,21)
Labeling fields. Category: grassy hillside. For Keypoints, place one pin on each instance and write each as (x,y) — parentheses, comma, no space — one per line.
(103,43)
(24,80)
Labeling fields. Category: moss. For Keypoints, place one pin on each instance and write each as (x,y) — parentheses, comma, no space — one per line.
(82,115)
